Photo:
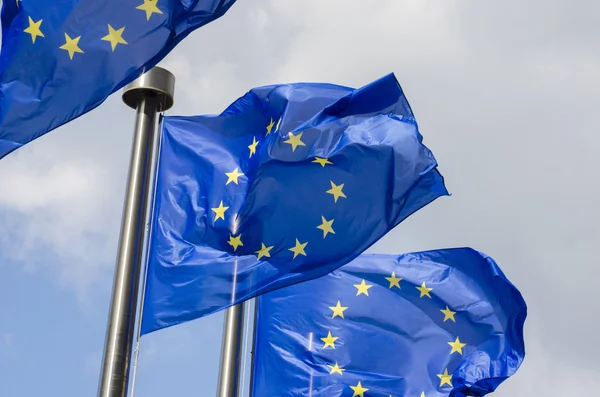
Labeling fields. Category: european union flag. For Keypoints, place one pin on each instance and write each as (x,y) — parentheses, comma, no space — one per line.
(61,59)
(287,184)
(426,324)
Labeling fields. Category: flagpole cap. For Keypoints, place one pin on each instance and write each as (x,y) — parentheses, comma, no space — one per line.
(158,82)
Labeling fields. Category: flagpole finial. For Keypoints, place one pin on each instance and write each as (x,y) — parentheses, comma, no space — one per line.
(156,81)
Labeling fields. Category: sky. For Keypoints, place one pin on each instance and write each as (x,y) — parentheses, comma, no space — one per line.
(506,95)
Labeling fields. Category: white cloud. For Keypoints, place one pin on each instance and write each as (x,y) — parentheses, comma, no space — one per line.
(60,205)
(542,374)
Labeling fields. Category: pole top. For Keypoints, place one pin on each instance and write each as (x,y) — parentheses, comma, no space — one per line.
(157,81)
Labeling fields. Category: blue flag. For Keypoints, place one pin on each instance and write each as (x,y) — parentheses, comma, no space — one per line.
(61,59)
(427,324)
(287,184)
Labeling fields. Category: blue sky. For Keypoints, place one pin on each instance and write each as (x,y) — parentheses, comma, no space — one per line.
(505,95)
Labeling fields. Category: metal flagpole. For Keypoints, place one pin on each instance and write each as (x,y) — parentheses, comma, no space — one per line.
(232,344)
(150,93)
(254,314)
(231,349)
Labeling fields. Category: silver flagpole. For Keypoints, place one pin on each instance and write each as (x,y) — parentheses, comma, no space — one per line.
(232,344)
(150,93)
(231,352)
(254,314)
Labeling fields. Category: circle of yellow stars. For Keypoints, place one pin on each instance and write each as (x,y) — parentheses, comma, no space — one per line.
(362,288)
(114,35)
(236,175)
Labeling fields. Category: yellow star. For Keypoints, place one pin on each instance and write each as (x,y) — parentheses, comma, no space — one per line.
(358,390)
(326,226)
(422,394)
(270,127)
(220,211)
(424,290)
(457,346)
(448,314)
(295,141)
(338,310)
(329,340)
(114,36)
(298,249)
(34,29)
(71,45)
(322,161)
(235,242)
(445,378)
(335,368)
(252,147)
(363,288)
(394,281)
(233,176)
(278,123)
(150,6)
(336,191)
(264,251)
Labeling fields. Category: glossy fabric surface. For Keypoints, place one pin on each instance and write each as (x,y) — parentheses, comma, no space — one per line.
(396,340)
(309,140)
(106,44)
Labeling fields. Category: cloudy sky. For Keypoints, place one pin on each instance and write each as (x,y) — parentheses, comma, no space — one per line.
(506,94)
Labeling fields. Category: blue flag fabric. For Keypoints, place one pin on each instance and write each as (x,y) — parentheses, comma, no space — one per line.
(61,59)
(287,184)
(427,324)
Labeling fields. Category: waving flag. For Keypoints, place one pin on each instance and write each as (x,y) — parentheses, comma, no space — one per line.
(61,59)
(426,324)
(289,183)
